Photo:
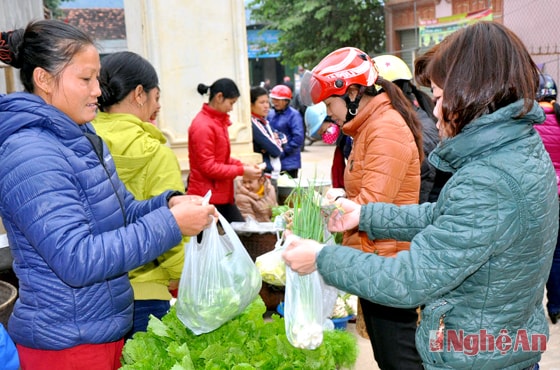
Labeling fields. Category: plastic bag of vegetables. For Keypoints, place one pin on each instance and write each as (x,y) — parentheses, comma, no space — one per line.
(271,265)
(308,301)
(308,304)
(218,282)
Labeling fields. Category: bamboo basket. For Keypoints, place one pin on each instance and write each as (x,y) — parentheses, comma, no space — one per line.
(8,294)
(256,245)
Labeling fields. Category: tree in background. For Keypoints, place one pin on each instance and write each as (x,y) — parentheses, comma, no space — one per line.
(53,7)
(310,29)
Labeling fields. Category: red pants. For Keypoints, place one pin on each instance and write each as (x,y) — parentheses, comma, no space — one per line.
(104,356)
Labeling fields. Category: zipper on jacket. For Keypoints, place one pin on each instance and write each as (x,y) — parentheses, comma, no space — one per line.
(97,144)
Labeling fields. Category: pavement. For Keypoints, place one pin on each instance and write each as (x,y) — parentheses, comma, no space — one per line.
(316,164)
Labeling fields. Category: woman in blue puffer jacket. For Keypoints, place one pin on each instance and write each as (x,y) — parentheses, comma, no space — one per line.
(73,228)
(479,256)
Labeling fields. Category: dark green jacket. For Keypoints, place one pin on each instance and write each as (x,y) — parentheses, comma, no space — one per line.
(479,257)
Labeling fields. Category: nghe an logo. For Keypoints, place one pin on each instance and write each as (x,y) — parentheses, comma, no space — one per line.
(475,343)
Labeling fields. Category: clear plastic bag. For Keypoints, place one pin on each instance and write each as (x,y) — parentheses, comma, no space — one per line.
(271,265)
(308,303)
(218,282)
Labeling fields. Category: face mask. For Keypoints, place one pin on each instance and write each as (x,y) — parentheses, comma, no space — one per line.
(330,136)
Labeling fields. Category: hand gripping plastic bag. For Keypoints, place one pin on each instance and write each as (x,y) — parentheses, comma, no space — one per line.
(218,282)
(308,302)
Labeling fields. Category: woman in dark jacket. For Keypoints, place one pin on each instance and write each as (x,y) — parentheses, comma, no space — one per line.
(265,140)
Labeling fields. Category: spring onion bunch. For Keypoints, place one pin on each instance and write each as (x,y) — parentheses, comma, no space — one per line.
(304,294)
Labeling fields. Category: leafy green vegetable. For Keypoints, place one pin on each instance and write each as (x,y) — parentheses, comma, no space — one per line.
(246,342)
(278,210)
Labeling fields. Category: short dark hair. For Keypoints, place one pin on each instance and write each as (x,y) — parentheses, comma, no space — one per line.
(482,68)
(121,73)
(257,92)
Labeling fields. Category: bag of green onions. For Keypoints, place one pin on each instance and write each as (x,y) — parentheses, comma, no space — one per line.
(308,300)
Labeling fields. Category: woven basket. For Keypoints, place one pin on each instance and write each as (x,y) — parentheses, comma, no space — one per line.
(271,295)
(8,294)
(257,244)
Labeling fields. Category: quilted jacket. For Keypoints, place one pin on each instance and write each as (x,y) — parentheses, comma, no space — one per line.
(147,167)
(550,134)
(290,123)
(383,166)
(212,167)
(479,257)
(430,139)
(65,212)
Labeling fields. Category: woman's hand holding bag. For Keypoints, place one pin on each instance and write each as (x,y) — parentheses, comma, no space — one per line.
(218,282)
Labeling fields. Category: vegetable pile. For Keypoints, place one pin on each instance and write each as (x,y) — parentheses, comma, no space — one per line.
(346,305)
(246,342)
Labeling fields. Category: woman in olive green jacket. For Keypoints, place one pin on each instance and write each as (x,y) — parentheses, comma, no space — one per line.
(479,256)
(145,164)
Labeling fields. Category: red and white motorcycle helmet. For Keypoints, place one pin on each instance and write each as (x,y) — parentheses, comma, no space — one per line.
(338,70)
(281,92)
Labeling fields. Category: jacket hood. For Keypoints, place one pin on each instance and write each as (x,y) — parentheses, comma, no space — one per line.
(21,110)
(488,132)
(132,142)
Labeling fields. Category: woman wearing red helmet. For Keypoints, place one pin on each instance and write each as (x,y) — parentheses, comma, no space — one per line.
(383,166)
(480,255)
(288,121)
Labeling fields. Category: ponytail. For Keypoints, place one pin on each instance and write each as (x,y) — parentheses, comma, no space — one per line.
(405,108)
(9,43)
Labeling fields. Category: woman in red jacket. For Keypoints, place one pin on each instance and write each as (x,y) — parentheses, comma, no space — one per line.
(550,134)
(211,165)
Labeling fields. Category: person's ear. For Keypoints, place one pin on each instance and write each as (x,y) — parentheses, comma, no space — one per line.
(43,80)
(137,95)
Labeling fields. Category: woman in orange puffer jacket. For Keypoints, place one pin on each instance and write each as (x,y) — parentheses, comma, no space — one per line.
(383,166)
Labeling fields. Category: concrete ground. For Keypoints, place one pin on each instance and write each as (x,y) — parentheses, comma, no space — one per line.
(316,163)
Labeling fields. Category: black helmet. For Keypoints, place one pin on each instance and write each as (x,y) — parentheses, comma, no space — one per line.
(547,88)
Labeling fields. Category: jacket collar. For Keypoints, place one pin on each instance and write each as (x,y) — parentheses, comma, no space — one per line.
(217,115)
(104,118)
(375,106)
(22,109)
(486,134)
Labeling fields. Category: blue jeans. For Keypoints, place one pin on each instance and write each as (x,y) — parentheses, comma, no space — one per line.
(553,283)
(142,312)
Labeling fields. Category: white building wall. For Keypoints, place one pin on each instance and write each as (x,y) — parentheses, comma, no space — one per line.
(189,43)
(13,17)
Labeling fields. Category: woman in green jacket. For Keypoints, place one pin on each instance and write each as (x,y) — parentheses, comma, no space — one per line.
(479,256)
(146,165)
